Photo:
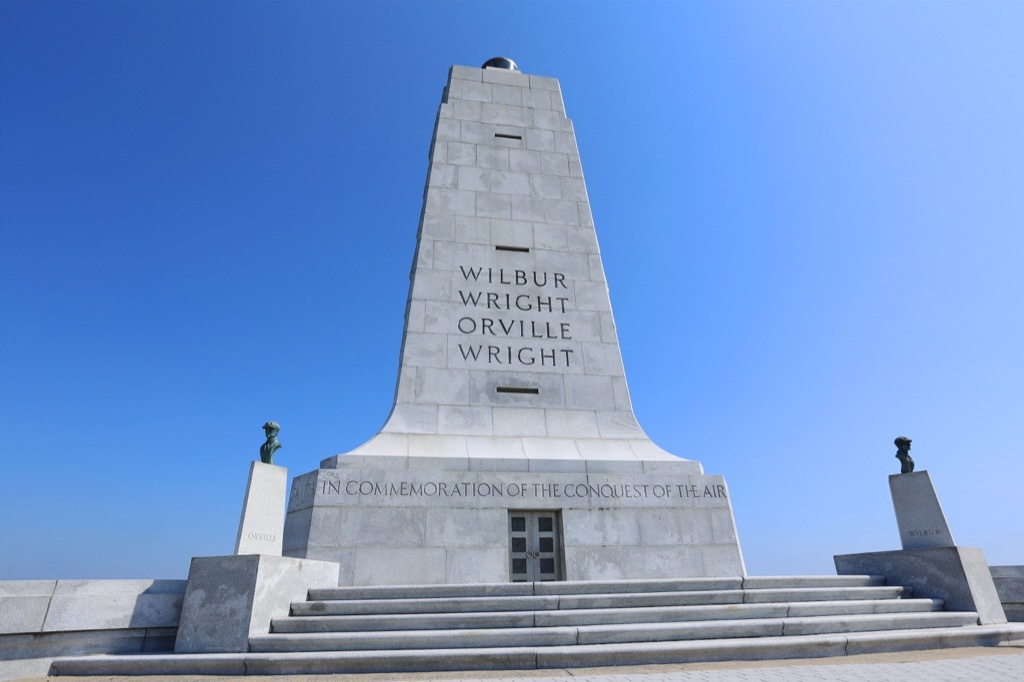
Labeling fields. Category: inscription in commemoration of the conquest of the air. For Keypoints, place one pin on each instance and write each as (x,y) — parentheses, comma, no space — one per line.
(526,326)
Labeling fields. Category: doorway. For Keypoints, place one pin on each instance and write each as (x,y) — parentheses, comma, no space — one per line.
(535,546)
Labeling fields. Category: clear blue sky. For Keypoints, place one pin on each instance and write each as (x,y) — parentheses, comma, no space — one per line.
(811,216)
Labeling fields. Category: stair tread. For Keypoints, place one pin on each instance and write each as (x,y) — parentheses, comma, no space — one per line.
(618,633)
(379,622)
(411,660)
(552,602)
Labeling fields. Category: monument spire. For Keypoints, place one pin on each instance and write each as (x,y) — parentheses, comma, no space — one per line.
(511,452)
(509,340)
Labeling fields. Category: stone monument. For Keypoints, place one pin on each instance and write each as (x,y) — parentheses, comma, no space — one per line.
(511,452)
(930,563)
(261,526)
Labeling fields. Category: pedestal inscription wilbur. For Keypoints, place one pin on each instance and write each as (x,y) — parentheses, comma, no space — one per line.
(511,451)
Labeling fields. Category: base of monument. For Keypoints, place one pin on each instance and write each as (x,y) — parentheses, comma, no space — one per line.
(418,520)
(959,576)
(230,598)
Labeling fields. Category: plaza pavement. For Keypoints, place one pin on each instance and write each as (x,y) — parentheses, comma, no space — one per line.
(972,664)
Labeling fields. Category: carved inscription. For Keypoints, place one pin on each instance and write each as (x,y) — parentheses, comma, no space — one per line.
(494,301)
(925,533)
(506,490)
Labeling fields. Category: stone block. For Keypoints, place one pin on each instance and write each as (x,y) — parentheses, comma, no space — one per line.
(575,167)
(493,157)
(619,423)
(467,528)
(585,217)
(524,160)
(429,447)
(561,211)
(528,208)
(261,526)
(389,444)
(553,163)
(468,73)
(600,528)
(571,423)
(113,604)
(23,604)
(381,526)
(512,233)
(467,110)
(540,140)
(461,154)
(466,421)
(546,186)
(544,83)
(425,350)
(446,461)
(537,99)
(958,575)
(442,175)
(509,94)
(437,226)
(484,447)
(230,598)
(919,515)
(453,201)
(490,205)
(565,142)
(589,392)
(594,450)
(477,564)
(399,566)
(478,92)
(519,422)
(554,237)
(505,77)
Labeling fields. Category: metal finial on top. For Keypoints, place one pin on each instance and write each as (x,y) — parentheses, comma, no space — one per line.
(500,63)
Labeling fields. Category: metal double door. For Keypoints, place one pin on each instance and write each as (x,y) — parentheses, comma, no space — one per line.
(535,546)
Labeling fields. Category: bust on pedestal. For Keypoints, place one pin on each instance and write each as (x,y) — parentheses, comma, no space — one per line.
(230,598)
(930,563)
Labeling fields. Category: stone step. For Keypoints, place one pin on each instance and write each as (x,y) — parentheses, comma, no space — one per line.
(509,619)
(604,634)
(588,587)
(587,601)
(530,658)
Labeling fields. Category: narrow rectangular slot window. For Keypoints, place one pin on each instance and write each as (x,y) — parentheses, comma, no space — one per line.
(506,136)
(518,389)
(517,249)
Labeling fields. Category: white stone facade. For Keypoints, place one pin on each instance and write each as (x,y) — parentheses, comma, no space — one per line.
(511,391)
(508,292)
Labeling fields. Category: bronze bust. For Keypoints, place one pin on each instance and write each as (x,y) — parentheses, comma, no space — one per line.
(268,449)
(903,454)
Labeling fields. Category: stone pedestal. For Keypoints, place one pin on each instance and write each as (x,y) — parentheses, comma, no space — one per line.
(930,563)
(919,515)
(261,527)
(229,598)
(958,575)
(406,520)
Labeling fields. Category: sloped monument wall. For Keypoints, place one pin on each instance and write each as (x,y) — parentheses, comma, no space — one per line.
(512,451)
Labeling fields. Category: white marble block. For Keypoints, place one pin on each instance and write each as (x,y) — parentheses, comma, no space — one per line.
(919,515)
(229,598)
(261,526)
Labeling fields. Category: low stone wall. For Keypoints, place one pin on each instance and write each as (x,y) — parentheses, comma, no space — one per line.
(43,619)
(1009,582)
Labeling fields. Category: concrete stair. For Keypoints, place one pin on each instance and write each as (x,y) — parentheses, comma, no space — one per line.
(578,624)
